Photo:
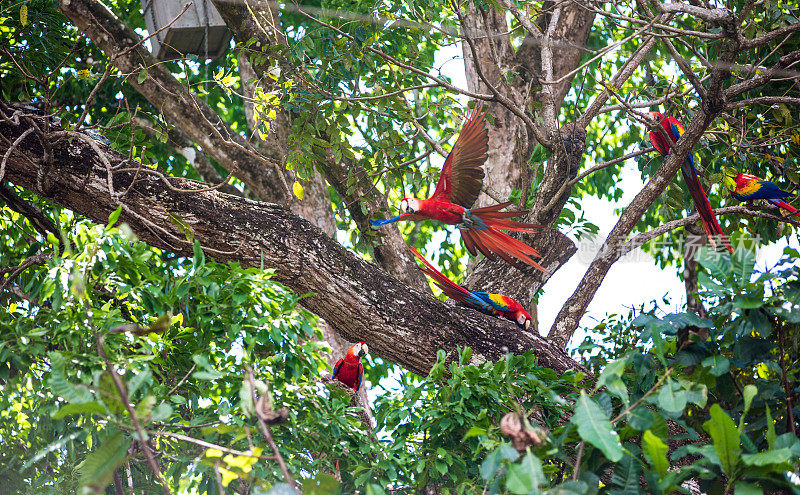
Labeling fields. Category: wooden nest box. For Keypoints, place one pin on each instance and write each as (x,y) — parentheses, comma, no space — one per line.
(199,31)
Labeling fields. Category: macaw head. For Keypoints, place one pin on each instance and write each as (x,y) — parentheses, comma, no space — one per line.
(409,205)
(358,350)
(523,319)
(658,116)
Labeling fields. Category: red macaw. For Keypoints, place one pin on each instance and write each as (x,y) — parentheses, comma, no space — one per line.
(749,187)
(490,304)
(349,370)
(459,185)
(673,129)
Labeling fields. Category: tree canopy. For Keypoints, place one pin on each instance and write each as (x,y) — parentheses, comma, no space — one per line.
(186,250)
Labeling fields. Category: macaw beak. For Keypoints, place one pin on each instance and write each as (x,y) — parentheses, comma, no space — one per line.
(527,324)
(380,223)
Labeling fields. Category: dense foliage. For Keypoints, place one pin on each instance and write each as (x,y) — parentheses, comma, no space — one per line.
(112,350)
(704,406)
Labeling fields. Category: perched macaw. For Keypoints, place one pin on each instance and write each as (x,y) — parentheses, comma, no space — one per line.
(459,185)
(349,370)
(491,304)
(673,129)
(748,187)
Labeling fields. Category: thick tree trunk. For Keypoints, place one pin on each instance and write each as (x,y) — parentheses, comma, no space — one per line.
(403,325)
(511,143)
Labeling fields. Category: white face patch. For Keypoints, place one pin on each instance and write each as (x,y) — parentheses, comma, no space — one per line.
(409,206)
(360,348)
(521,319)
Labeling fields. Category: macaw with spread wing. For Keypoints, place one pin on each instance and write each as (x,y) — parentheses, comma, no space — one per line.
(458,187)
(746,187)
(490,304)
(350,370)
(673,130)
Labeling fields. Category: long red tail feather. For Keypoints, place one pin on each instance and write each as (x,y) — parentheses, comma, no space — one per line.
(450,288)
(786,206)
(491,242)
(707,217)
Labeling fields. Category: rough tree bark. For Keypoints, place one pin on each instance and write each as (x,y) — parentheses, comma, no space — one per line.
(511,142)
(402,324)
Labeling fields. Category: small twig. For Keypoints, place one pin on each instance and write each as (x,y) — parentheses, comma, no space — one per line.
(578,461)
(151,460)
(15,271)
(642,398)
(219,477)
(11,149)
(785,382)
(194,366)
(266,431)
(209,445)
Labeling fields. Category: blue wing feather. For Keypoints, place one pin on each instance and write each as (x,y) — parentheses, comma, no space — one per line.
(769,190)
(336,368)
(487,299)
(360,377)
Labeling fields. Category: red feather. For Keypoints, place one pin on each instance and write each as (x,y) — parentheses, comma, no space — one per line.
(672,128)
(462,176)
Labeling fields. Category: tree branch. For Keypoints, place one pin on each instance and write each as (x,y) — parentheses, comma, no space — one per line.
(573,309)
(404,325)
(178,105)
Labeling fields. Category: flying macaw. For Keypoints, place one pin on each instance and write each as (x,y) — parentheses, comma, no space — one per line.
(349,370)
(490,304)
(673,129)
(459,185)
(748,187)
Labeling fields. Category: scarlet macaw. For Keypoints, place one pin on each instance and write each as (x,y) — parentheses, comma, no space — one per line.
(490,304)
(349,370)
(457,189)
(673,130)
(749,187)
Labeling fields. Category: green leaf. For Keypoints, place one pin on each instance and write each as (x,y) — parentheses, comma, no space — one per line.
(771,436)
(162,412)
(52,447)
(742,263)
(372,489)
(640,418)
(611,379)
(199,256)
(570,488)
(655,451)
(672,397)
(142,76)
(138,380)
(112,219)
(594,427)
(748,393)
(726,438)
(741,488)
(78,394)
(718,364)
(525,477)
(93,407)
(475,431)
(777,456)
(99,466)
(321,484)
(626,476)
(717,263)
